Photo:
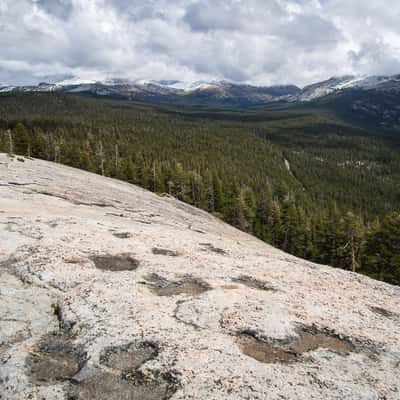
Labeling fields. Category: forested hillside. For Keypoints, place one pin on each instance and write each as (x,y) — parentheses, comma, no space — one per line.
(298,178)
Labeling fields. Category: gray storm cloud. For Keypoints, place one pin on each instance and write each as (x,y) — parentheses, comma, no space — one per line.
(254,41)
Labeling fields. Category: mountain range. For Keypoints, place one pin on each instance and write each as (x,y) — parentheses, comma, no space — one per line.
(213,92)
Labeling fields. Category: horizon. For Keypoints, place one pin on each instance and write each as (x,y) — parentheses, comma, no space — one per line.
(74,80)
(262,43)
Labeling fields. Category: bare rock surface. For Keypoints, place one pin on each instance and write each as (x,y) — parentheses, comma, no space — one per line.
(110,292)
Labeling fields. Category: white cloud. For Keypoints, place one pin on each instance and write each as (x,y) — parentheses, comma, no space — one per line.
(257,41)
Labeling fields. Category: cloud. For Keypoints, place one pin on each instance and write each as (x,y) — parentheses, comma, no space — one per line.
(59,8)
(255,41)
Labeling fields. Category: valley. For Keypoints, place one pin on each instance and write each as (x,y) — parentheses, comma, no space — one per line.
(343,182)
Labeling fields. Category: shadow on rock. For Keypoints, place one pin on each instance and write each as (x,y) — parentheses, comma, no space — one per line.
(165,252)
(210,247)
(254,283)
(384,313)
(122,235)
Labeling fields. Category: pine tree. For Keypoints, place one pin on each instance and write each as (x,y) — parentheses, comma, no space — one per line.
(247,205)
(264,216)
(217,193)
(129,171)
(353,237)
(22,140)
(10,142)
(233,213)
(381,257)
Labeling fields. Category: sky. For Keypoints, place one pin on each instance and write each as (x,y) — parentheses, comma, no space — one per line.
(263,42)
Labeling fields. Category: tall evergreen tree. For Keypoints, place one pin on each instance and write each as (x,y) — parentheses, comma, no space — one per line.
(22,140)
(381,258)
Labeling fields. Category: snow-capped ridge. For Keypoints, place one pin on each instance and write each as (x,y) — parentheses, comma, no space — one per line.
(75,81)
(186,86)
(210,91)
(336,84)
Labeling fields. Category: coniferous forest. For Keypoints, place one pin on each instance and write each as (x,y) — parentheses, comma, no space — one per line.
(298,178)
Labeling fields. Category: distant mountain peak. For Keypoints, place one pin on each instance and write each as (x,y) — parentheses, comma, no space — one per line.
(209,92)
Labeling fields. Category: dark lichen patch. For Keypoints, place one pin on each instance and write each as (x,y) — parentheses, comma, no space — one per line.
(104,386)
(64,324)
(383,312)
(18,337)
(116,263)
(128,357)
(210,247)
(155,386)
(54,359)
(292,349)
(254,283)
(164,252)
(122,235)
(3,350)
(198,231)
(7,264)
(51,224)
(187,285)
(135,386)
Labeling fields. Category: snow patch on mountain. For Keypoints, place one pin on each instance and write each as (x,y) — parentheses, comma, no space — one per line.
(185,86)
(222,91)
(76,81)
(336,84)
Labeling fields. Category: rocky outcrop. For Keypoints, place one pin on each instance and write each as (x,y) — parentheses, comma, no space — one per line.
(111,292)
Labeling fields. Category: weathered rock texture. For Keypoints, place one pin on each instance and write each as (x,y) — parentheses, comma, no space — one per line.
(111,292)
